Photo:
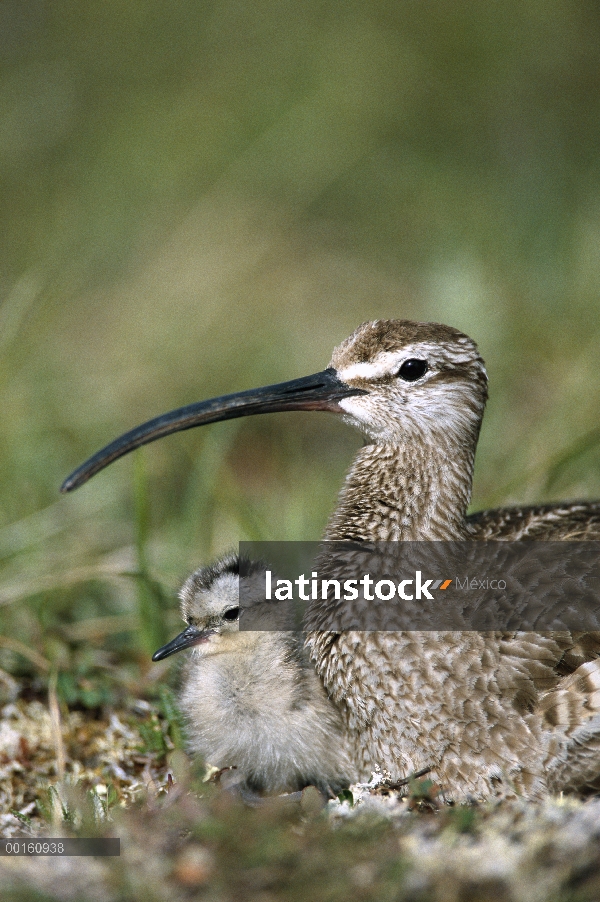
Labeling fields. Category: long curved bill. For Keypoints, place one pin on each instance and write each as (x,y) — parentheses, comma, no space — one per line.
(189,637)
(322,391)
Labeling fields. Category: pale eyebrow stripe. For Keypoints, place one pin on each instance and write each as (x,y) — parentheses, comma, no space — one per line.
(383,365)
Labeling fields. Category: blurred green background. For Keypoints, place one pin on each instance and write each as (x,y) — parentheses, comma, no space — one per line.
(201,197)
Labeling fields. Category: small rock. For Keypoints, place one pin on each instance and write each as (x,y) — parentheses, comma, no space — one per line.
(195,865)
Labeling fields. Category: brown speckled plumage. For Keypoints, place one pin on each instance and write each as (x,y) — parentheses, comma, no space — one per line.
(551,522)
(492,713)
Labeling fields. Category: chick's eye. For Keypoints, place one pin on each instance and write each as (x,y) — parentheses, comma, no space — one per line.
(412,369)
(231,615)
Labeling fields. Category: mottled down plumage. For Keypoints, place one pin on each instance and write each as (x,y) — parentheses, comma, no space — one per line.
(252,699)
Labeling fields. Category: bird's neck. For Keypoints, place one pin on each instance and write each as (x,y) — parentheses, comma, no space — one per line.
(412,491)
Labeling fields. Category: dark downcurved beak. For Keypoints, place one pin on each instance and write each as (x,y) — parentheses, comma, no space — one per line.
(322,391)
(190,636)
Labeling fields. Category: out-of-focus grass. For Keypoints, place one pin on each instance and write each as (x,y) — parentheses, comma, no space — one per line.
(202,197)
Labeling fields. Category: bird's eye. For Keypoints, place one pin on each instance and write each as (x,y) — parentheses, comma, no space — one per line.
(412,369)
(231,614)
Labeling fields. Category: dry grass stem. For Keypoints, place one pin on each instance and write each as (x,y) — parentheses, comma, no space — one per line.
(56,723)
(97,627)
(30,653)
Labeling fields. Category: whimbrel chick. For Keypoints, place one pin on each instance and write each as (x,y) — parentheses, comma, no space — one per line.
(252,699)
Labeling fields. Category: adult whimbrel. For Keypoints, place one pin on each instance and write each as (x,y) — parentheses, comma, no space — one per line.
(486,710)
(252,699)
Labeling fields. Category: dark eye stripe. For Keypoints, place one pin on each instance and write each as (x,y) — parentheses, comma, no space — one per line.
(412,369)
